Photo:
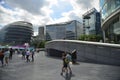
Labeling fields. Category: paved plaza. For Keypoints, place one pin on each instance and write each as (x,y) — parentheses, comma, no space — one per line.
(48,68)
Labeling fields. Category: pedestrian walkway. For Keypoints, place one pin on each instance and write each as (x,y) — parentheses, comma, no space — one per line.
(47,68)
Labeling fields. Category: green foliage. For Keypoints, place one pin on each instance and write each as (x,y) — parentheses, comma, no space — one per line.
(41,44)
(95,38)
(82,37)
(38,44)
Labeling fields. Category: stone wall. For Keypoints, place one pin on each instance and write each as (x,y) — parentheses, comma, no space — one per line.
(86,51)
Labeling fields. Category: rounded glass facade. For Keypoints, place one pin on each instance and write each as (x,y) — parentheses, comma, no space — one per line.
(108,7)
(110,12)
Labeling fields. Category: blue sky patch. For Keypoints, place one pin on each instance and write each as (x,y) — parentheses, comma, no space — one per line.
(60,8)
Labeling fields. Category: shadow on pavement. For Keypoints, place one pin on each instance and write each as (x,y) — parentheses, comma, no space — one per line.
(68,76)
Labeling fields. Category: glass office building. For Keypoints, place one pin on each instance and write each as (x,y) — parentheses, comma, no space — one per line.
(92,23)
(16,33)
(67,30)
(110,12)
(41,32)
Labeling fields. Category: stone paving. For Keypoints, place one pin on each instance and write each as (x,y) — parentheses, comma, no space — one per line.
(48,68)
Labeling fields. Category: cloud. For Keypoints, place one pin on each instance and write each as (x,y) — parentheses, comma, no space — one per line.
(36,29)
(2,2)
(17,14)
(38,12)
(79,8)
(45,11)
(9,15)
(52,3)
(73,15)
(6,15)
(32,6)
(84,3)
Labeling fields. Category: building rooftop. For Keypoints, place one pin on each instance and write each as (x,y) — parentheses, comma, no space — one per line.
(89,12)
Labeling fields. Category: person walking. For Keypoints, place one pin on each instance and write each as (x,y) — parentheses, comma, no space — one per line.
(11,53)
(64,67)
(69,59)
(32,54)
(66,59)
(27,55)
(6,54)
(74,56)
(2,57)
(23,54)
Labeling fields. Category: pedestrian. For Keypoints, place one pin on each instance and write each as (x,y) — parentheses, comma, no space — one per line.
(2,57)
(64,63)
(6,55)
(11,53)
(69,59)
(23,54)
(32,54)
(27,55)
(74,56)
(66,66)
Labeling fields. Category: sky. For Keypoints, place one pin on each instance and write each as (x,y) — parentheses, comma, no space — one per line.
(43,12)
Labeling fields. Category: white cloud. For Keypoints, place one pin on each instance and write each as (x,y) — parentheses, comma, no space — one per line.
(38,11)
(35,33)
(46,11)
(6,15)
(79,8)
(52,3)
(35,11)
(96,4)
(73,15)
(84,5)
(32,6)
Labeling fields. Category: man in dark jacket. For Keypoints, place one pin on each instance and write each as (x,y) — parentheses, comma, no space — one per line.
(11,53)
(74,56)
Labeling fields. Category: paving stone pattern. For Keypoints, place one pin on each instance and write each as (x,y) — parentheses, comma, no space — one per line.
(48,68)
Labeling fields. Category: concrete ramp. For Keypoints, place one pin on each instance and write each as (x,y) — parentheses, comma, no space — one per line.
(96,52)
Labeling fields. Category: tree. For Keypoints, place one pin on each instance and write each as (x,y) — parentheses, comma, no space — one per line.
(41,44)
(95,38)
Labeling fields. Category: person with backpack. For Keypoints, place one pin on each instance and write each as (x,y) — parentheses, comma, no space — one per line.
(66,60)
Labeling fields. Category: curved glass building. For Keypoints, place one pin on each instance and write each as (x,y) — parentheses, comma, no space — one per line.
(110,12)
(16,33)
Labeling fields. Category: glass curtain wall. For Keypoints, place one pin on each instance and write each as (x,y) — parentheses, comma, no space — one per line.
(112,30)
(108,7)
(92,24)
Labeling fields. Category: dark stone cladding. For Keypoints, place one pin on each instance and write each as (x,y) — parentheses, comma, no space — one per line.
(54,53)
